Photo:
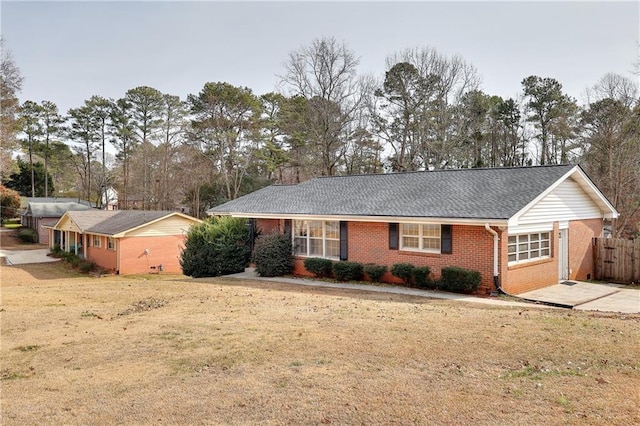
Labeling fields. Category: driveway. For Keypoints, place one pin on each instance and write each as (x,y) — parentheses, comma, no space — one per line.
(19,257)
(588,297)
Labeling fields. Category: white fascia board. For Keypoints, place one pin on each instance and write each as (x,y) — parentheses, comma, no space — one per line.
(172,214)
(382,219)
(597,195)
(593,193)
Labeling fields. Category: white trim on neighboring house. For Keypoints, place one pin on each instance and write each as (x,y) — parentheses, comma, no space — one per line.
(182,215)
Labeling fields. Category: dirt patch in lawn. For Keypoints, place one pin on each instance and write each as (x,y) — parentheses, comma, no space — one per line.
(222,351)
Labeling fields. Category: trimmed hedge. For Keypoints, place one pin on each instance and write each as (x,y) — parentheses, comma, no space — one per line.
(318,266)
(375,272)
(459,280)
(272,255)
(347,271)
(403,271)
(421,279)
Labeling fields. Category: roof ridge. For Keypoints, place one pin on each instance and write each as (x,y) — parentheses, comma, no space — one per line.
(442,170)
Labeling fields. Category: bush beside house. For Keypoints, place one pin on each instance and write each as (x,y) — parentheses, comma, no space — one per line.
(459,280)
(420,277)
(404,271)
(272,255)
(347,271)
(218,246)
(375,272)
(318,266)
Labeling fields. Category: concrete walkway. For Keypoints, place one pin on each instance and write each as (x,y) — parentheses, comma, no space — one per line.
(20,257)
(250,274)
(581,296)
(588,297)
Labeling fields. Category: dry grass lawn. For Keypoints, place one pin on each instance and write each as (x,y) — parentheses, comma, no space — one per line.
(173,350)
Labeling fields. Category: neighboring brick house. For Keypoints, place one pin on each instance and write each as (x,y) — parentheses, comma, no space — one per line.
(126,241)
(522,228)
(42,212)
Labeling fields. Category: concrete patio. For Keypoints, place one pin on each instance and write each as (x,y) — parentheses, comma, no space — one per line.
(588,297)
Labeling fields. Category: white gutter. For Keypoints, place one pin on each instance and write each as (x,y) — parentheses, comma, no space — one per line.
(383,219)
(496,272)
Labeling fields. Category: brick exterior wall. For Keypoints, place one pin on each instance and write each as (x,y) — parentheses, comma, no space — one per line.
(581,234)
(43,233)
(162,250)
(368,242)
(530,275)
(102,256)
(534,275)
(267,226)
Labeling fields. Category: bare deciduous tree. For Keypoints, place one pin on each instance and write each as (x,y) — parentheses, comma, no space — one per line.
(10,86)
(325,74)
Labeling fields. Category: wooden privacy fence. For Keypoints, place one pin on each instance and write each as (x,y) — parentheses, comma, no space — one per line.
(617,260)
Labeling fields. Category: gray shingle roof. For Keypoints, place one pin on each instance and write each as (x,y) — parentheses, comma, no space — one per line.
(496,193)
(57,200)
(114,222)
(53,209)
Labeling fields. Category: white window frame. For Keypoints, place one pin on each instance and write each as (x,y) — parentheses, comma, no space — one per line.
(421,236)
(97,238)
(307,235)
(530,248)
(111,243)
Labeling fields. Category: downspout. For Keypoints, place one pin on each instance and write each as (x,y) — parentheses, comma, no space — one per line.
(496,271)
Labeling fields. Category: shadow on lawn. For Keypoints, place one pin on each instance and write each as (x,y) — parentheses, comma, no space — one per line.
(323,291)
(43,271)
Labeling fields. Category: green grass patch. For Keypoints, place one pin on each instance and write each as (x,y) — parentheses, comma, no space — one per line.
(27,348)
(7,374)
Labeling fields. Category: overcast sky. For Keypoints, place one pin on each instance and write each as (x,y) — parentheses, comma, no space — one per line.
(69,51)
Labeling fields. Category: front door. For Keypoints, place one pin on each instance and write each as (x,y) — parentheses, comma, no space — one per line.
(563,255)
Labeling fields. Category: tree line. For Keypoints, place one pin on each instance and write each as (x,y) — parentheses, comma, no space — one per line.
(426,112)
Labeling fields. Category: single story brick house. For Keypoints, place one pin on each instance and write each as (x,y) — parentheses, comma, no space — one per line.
(46,211)
(125,241)
(522,228)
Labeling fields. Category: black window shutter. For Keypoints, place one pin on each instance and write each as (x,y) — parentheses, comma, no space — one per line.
(287,227)
(446,239)
(393,236)
(343,241)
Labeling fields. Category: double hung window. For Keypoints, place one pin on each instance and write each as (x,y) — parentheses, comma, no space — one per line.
(420,237)
(316,238)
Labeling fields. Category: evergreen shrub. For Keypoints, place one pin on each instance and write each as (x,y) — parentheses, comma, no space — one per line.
(318,266)
(459,280)
(218,246)
(347,271)
(87,266)
(28,235)
(272,255)
(420,277)
(375,272)
(403,271)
